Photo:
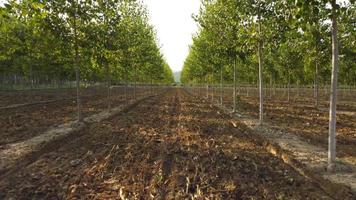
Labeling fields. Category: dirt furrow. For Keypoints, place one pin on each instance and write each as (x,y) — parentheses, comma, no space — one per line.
(22,123)
(170,147)
(303,119)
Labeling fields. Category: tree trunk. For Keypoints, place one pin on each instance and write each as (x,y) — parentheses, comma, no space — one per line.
(207,91)
(332,118)
(135,83)
(108,82)
(235,86)
(77,67)
(126,85)
(288,86)
(221,86)
(212,96)
(247,90)
(260,67)
(270,87)
(31,82)
(316,87)
(200,90)
(151,88)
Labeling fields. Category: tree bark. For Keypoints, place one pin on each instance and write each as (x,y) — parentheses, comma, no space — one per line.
(31,77)
(270,87)
(151,87)
(207,90)
(333,90)
(108,82)
(77,66)
(221,86)
(126,85)
(212,96)
(316,87)
(135,87)
(247,90)
(288,86)
(260,67)
(235,86)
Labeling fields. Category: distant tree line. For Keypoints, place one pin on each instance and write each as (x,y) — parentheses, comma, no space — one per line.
(294,36)
(94,40)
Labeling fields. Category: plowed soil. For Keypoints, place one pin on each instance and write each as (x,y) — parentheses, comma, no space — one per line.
(308,122)
(12,97)
(301,117)
(21,123)
(171,146)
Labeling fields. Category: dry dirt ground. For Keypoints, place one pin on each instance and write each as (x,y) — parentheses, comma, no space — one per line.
(12,97)
(172,146)
(24,122)
(302,118)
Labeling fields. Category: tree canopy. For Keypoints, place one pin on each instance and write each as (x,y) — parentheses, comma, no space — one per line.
(39,38)
(296,36)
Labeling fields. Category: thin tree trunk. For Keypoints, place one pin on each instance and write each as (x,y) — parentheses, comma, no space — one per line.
(247,90)
(126,85)
(207,88)
(31,77)
(200,90)
(235,86)
(135,83)
(288,86)
(77,67)
(260,67)
(108,82)
(316,87)
(212,96)
(221,86)
(151,88)
(270,87)
(332,118)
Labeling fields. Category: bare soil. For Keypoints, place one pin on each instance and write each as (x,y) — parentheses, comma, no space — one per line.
(172,146)
(24,122)
(27,96)
(302,118)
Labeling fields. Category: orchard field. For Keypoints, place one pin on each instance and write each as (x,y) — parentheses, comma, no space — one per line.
(265,107)
(36,111)
(182,147)
(298,115)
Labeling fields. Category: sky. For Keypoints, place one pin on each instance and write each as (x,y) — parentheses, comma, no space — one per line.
(173,22)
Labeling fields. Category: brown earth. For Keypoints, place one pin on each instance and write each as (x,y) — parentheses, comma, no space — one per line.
(172,146)
(21,123)
(301,117)
(12,97)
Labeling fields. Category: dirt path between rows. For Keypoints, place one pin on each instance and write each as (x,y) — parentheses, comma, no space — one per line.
(171,146)
(307,122)
(309,159)
(22,123)
(16,155)
(313,158)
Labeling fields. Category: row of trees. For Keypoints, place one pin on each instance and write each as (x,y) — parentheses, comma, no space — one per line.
(275,42)
(296,42)
(104,39)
